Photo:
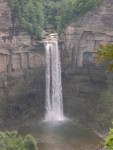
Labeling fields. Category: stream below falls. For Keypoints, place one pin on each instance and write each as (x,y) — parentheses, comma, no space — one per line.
(66,135)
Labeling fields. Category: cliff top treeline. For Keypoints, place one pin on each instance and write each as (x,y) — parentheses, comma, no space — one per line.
(36,15)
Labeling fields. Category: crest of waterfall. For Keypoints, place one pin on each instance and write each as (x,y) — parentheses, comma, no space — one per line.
(54,101)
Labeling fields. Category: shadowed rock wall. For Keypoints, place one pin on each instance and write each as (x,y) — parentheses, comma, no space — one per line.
(83,78)
(22,65)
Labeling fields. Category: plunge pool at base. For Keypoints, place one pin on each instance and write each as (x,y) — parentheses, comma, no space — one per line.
(66,135)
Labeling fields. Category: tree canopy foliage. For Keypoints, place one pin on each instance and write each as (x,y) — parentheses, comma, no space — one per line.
(109,140)
(71,9)
(29,14)
(35,15)
(106,52)
(52,8)
(12,141)
(61,12)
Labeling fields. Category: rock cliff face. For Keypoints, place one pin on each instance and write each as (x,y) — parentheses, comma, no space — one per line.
(83,37)
(21,63)
(85,79)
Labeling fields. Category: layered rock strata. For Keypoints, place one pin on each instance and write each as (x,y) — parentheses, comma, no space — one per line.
(21,62)
(84,79)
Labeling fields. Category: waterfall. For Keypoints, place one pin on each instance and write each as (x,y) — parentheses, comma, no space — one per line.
(54,101)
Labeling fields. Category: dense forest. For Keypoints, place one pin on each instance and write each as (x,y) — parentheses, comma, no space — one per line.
(36,15)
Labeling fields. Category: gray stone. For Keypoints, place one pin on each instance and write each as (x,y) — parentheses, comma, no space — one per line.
(88,32)
(21,59)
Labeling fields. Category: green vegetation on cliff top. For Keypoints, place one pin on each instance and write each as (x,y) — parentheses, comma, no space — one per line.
(59,13)
(70,10)
(29,14)
(35,15)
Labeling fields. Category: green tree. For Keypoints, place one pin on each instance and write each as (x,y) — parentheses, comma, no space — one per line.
(52,8)
(106,52)
(29,14)
(35,15)
(71,9)
(109,140)
(13,141)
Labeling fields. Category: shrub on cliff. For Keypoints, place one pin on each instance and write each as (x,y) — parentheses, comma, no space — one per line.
(106,103)
(29,14)
(106,51)
(109,140)
(12,141)
(32,14)
(71,9)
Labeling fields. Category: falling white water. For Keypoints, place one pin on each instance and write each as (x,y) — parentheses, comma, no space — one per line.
(54,106)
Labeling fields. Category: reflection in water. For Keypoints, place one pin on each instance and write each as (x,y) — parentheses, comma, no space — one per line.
(62,136)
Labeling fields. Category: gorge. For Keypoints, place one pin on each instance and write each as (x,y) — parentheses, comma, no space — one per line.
(86,84)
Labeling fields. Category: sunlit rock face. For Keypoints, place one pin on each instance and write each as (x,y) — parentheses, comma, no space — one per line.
(21,60)
(83,77)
